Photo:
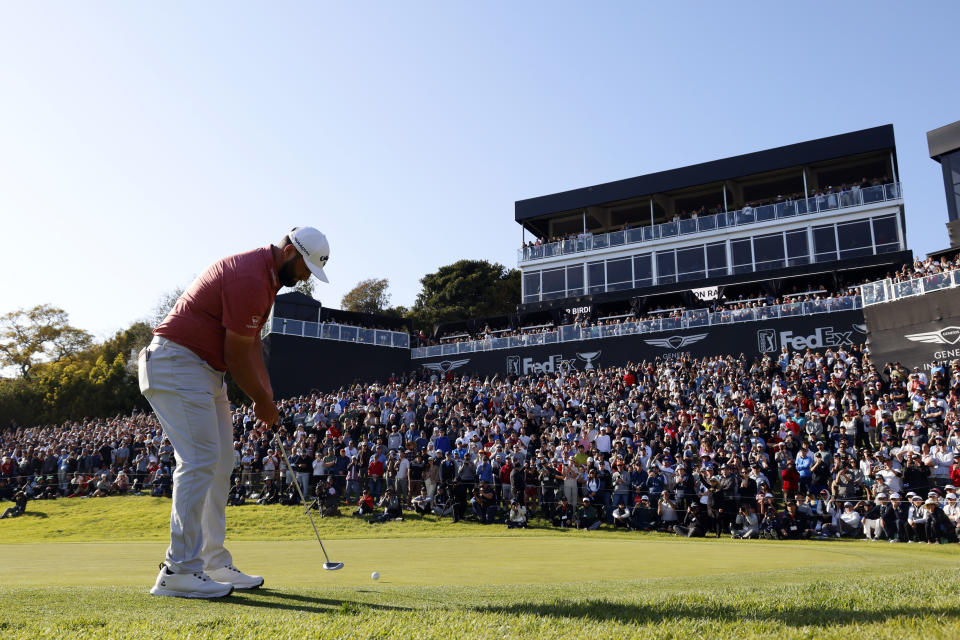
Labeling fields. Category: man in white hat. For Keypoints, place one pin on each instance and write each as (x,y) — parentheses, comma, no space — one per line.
(213,328)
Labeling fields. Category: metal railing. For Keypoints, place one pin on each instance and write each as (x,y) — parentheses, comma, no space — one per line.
(334,331)
(687,320)
(889,290)
(746,216)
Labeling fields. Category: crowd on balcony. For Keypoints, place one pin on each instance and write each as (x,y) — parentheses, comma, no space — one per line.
(946,263)
(742,307)
(831,197)
(813,444)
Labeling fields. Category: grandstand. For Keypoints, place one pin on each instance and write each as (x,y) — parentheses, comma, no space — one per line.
(748,254)
(683,260)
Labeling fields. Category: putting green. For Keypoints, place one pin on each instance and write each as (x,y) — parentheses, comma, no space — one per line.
(447,561)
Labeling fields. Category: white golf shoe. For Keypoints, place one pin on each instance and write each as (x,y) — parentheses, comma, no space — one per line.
(196,584)
(231,575)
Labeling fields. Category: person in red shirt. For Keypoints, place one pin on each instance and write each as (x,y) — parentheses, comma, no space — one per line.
(213,328)
(365,504)
(375,471)
(791,479)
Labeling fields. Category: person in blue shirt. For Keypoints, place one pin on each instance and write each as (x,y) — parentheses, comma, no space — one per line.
(654,484)
(442,442)
(485,470)
(804,461)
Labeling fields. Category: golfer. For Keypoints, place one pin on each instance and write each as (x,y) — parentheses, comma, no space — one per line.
(214,328)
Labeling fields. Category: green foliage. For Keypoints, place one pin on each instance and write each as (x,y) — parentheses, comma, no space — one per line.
(466,289)
(98,381)
(29,337)
(305,287)
(369,296)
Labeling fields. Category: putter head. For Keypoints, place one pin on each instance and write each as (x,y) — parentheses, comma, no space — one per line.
(332,566)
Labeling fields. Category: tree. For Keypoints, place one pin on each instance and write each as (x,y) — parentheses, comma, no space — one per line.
(305,287)
(164,305)
(467,289)
(369,296)
(29,337)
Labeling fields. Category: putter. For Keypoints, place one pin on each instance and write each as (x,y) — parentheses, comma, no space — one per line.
(329,566)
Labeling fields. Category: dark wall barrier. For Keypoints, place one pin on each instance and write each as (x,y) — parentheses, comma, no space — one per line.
(818,332)
(920,331)
(297,365)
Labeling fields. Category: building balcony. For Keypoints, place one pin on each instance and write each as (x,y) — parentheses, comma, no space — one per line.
(787,210)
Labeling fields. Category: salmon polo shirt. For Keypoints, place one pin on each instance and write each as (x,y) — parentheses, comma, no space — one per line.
(234,293)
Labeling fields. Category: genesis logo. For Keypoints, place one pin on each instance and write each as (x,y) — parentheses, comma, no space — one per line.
(446,365)
(947,335)
(676,342)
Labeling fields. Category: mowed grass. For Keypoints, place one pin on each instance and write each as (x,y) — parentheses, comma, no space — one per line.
(81,569)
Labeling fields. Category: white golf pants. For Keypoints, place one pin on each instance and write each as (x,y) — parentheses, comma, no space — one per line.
(190,400)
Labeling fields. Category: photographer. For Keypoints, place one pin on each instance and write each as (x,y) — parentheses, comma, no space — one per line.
(694,524)
(238,493)
(20,500)
(365,505)
(485,503)
(794,525)
(588,516)
(563,514)
(269,494)
(517,518)
(390,502)
(422,502)
(746,525)
(290,497)
(643,517)
(442,505)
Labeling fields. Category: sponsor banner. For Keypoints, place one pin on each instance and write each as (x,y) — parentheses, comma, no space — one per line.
(585,309)
(922,331)
(817,332)
(707,293)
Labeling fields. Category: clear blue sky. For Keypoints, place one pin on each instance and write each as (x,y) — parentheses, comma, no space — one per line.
(139,142)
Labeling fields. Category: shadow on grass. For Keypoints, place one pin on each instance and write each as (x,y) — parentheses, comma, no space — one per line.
(795,616)
(270,599)
(34,514)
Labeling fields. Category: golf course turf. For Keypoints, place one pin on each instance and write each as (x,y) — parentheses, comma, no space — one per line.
(82,568)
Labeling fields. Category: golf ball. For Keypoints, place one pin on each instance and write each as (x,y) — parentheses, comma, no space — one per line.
(375,575)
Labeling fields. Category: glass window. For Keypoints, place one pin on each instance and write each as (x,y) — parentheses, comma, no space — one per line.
(798,248)
(575,280)
(666,267)
(717,259)
(768,251)
(824,243)
(619,274)
(691,263)
(742,254)
(885,234)
(531,286)
(553,283)
(854,239)
(595,276)
(642,271)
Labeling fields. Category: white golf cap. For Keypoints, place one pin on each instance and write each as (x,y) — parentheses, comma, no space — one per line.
(314,248)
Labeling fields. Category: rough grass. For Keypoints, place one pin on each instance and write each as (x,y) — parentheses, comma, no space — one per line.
(447,581)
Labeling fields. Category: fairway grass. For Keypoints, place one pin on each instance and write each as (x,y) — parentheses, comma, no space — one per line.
(81,569)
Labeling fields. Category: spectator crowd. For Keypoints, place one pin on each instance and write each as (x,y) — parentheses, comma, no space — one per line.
(804,444)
